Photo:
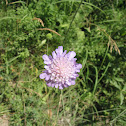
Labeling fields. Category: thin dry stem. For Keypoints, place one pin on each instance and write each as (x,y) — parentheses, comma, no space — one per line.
(13,2)
(39,20)
(111,42)
(49,30)
(6,2)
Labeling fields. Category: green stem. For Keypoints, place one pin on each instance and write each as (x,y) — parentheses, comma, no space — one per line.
(62,102)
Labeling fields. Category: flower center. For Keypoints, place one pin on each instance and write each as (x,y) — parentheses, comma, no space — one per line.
(62,69)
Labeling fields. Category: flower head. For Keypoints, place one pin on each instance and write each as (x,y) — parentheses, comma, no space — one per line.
(61,68)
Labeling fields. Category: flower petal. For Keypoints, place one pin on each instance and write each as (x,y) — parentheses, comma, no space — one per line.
(74,76)
(46,67)
(77,70)
(78,66)
(49,84)
(54,54)
(50,57)
(65,85)
(60,87)
(53,84)
(68,83)
(47,62)
(74,60)
(71,55)
(43,75)
(59,51)
(73,82)
(46,59)
(64,53)
(47,77)
(56,86)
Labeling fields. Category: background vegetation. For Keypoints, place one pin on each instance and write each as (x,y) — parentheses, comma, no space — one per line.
(95,30)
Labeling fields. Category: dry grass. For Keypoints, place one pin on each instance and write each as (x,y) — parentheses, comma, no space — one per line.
(39,20)
(49,30)
(111,42)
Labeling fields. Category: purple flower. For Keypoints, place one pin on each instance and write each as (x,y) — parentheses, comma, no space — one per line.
(61,68)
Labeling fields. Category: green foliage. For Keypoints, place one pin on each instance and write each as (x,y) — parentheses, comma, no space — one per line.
(95,30)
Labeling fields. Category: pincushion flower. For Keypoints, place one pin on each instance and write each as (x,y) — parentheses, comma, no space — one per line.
(61,68)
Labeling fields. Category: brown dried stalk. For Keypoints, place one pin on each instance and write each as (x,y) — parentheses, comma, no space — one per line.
(39,20)
(111,42)
(49,30)
(6,2)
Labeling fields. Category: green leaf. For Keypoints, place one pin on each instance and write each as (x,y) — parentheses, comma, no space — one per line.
(124,88)
(42,43)
(88,29)
(64,25)
(121,98)
(80,35)
(119,79)
(115,84)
